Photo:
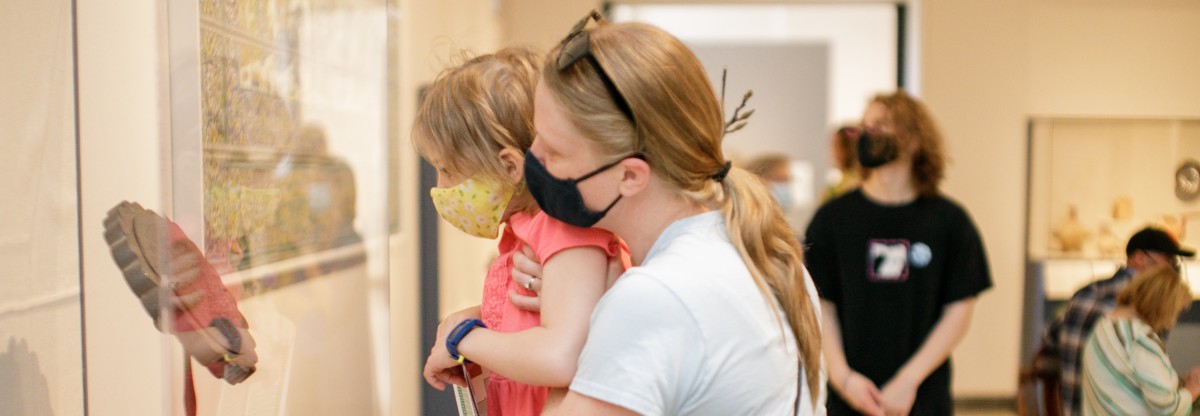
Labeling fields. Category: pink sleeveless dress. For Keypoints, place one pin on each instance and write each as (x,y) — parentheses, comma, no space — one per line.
(547,237)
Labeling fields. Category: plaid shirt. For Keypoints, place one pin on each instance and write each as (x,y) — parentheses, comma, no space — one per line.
(1067,334)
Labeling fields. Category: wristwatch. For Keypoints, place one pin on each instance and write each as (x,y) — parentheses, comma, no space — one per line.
(457,335)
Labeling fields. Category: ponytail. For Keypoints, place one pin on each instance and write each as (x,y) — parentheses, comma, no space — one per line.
(772,253)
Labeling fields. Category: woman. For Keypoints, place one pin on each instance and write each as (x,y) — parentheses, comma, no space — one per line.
(899,266)
(717,316)
(1126,370)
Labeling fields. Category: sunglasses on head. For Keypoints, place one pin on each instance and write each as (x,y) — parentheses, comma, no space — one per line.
(577,46)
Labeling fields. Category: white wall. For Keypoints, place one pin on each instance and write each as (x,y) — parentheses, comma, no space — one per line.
(41,370)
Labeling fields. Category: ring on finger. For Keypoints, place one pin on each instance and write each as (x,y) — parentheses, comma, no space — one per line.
(528,284)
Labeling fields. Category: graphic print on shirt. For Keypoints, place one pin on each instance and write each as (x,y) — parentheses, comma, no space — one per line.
(887,261)
(920,255)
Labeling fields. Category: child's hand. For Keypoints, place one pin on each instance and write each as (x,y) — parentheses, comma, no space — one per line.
(526,272)
(439,367)
(438,379)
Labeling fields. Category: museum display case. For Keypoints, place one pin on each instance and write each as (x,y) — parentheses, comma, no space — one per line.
(1092,183)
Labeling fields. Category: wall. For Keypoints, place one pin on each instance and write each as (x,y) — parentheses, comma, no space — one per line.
(978,94)
(1113,57)
(41,369)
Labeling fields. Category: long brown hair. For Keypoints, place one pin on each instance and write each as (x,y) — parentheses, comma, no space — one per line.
(913,123)
(678,126)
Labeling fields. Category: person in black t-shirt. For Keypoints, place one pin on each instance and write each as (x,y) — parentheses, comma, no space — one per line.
(898,267)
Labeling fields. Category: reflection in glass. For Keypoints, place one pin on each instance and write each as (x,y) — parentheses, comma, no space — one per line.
(287,194)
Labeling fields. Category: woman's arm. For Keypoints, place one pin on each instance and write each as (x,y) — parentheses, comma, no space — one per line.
(1160,385)
(547,355)
(857,390)
(901,390)
(578,404)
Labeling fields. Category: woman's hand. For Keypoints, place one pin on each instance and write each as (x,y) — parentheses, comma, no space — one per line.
(1192,382)
(440,368)
(898,396)
(861,393)
(527,273)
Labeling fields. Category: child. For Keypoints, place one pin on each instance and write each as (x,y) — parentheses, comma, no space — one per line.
(475,126)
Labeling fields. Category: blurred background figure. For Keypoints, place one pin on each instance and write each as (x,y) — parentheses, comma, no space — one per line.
(775,169)
(1065,337)
(1126,370)
(845,174)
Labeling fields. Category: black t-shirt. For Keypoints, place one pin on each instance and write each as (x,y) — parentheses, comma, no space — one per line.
(890,270)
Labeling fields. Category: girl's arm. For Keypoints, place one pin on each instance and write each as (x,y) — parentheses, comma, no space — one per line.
(547,355)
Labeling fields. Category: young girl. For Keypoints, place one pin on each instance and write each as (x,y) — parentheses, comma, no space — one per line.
(474,126)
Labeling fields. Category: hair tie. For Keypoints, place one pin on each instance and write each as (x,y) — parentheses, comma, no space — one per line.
(720,176)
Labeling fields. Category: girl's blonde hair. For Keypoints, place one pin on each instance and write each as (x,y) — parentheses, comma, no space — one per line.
(474,110)
(678,127)
(1158,295)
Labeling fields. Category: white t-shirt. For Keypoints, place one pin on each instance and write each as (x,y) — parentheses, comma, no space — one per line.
(689,333)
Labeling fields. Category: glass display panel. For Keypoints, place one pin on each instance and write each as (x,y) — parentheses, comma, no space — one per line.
(279,172)
(41,353)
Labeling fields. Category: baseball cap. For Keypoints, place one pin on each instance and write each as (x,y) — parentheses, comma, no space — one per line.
(1153,239)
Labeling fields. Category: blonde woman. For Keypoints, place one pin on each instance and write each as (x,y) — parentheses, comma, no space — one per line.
(718,316)
(1126,370)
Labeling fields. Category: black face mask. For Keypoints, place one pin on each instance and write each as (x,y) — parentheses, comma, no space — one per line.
(875,150)
(560,198)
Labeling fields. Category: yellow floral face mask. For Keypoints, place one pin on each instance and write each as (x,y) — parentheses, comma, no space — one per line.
(474,206)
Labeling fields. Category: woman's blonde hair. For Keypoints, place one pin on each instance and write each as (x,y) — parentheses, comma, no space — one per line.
(1158,295)
(678,126)
(913,123)
(474,110)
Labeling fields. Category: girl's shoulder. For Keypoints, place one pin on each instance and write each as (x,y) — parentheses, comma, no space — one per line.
(548,236)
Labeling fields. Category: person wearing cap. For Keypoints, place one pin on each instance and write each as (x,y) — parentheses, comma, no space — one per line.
(1065,336)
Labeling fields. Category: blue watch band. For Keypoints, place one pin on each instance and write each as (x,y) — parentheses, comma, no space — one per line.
(457,335)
